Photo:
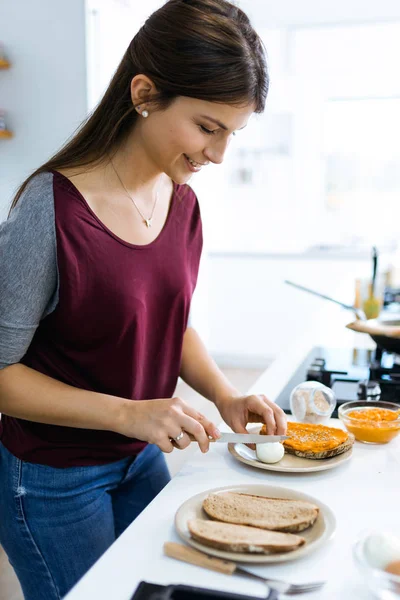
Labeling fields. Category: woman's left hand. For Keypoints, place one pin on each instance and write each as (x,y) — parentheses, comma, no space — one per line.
(237,411)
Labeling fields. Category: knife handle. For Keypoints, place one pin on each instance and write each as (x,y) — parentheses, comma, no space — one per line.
(194,557)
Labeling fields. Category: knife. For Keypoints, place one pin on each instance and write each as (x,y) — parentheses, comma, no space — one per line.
(247,438)
(194,557)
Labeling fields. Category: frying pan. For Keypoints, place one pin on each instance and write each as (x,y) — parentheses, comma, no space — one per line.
(385,334)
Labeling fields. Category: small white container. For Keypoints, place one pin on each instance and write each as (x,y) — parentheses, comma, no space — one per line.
(312,402)
(372,553)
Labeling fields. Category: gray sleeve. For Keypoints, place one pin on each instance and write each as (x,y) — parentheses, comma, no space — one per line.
(28,268)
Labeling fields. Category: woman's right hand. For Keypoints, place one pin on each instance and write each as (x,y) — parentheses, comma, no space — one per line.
(162,420)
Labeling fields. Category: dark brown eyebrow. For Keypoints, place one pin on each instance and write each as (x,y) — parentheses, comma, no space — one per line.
(217,122)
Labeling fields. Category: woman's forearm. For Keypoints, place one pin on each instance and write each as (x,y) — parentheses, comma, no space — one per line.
(201,372)
(30,395)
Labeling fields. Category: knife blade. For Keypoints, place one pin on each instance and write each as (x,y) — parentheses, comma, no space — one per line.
(244,438)
(249,438)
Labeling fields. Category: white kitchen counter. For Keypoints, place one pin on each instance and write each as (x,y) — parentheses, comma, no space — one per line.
(364,494)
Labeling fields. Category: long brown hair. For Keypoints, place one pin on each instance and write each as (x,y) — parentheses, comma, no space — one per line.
(204,49)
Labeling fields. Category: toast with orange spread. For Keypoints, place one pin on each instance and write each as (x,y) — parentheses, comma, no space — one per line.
(309,440)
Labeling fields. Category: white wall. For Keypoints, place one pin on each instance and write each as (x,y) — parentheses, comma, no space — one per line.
(44,92)
(270,13)
(254,316)
(111,24)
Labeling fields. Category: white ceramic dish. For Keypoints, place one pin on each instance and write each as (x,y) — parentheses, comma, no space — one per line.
(383,585)
(315,536)
(289,463)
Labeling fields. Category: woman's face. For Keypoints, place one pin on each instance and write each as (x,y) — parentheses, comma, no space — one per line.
(190,134)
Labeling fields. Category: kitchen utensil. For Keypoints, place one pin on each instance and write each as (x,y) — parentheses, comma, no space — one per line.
(372,305)
(247,438)
(200,559)
(316,536)
(357,311)
(374,267)
(386,337)
(373,327)
(289,463)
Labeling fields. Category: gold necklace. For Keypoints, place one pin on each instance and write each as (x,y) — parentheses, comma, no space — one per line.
(147,222)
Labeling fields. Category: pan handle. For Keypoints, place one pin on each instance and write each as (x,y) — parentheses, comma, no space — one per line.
(357,311)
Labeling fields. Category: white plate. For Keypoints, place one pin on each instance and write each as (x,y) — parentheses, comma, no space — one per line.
(315,536)
(289,463)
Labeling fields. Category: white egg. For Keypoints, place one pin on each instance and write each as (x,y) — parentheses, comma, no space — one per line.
(380,549)
(270,453)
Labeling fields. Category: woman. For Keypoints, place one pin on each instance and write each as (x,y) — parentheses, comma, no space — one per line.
(100,258)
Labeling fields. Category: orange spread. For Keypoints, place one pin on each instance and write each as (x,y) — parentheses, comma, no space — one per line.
(375,425)
(373,414)
(310,437)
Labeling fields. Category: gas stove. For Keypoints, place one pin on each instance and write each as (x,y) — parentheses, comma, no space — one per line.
(352,373)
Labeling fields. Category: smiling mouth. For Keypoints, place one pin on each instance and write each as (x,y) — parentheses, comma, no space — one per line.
(194,163)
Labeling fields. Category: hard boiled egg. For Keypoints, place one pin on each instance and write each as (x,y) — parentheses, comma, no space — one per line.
(381,549)
(393,567)
(270,453)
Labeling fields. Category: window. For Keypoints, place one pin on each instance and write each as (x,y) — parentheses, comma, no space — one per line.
(356,97)
(321,166)
(362,167)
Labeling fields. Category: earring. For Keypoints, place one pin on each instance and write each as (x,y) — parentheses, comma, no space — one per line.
(145,114)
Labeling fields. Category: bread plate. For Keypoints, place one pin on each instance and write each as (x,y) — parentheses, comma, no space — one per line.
(289,463)
(315,536)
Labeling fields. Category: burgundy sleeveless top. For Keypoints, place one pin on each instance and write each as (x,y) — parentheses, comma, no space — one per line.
(118,326)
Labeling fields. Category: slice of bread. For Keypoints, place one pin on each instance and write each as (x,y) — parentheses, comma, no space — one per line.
(310,440)
(274,514)
(239,538)
(323,453)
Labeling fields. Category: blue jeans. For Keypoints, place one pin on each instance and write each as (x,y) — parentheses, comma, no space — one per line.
(55,523)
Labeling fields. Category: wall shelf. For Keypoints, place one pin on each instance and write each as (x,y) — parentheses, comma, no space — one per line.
(5,134)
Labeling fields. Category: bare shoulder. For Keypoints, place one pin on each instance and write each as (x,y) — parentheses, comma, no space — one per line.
(79,174)
(71,172)
(89,181)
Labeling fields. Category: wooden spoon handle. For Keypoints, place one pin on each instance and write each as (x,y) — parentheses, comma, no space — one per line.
(194,557)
